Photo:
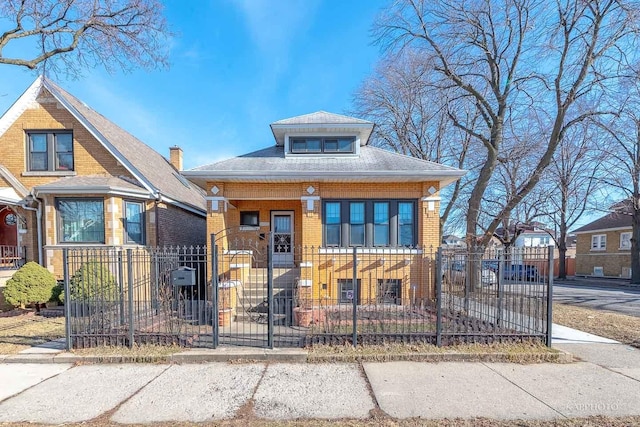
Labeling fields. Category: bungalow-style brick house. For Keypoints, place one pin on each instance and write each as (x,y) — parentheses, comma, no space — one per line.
(603,247)
(322,187)
(70,177)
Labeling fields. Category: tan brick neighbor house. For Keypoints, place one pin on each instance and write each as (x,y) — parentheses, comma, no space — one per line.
(70,177)
(603,247)
(321,190)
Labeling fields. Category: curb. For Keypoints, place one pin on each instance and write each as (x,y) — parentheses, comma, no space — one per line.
(290,356)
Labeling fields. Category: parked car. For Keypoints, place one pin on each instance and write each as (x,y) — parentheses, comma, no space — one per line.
(454,272)
(523,272)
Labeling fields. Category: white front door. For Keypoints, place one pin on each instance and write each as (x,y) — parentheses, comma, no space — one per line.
(282,237)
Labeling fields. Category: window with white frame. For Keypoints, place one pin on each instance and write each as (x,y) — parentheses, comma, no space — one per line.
(625,240)
(599,242)
(134,222)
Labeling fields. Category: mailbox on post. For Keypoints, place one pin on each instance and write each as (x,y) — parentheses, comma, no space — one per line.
(183,276)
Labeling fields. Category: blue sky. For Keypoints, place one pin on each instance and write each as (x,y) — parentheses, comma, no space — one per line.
(236,66)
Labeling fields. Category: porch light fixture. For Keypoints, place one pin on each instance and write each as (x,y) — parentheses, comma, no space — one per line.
(381,261)
(407,261)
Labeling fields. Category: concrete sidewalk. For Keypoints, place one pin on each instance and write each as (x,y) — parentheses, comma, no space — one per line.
(606,382)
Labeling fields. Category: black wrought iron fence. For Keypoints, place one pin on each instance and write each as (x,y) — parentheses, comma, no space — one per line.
(245,293)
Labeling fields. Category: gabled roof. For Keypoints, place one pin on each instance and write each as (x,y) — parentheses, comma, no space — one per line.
(373,165)
(150,168)
(321,117)
(607,222)
(322,121)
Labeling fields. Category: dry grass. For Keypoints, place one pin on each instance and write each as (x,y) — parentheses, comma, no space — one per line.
(527,352)
(139,353)
(23,331)
(619,327)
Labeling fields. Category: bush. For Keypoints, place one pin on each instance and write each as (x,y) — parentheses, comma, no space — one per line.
(31,284)
(57,294)
(92,281)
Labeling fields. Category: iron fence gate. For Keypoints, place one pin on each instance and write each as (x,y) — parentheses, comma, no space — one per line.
(244,292)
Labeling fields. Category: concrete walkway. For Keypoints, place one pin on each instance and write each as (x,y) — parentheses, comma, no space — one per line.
(605,382)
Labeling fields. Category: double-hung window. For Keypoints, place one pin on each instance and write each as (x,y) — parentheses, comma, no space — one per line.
(134,222)
(50,151)
(599,242)
(81,220)
(625,240)
(332,223)
(356,223)
(369,223)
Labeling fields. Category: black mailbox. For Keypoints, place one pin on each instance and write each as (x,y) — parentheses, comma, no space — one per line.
(183,276)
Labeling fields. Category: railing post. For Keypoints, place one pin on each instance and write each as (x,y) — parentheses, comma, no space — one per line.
(214,290)
(269,297)
(439,297)
(67,298)
(121,286)
(130,296)
(500,278)
(550,297)
(354,282)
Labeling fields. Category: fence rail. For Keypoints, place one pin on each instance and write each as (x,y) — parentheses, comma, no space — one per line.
(245,293)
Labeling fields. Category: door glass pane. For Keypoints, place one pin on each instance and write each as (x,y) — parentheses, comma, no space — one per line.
(356,223)
(381,224)
(282,223)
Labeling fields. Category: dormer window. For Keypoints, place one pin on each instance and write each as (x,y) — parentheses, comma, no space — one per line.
(321,145)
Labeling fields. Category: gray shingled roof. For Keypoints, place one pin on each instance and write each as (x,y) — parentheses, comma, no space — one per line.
(102,182)
(271,163)
(613,220)
(321,117)
(155,168)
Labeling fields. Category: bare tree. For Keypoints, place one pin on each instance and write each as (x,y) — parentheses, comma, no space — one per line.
(69,35)
(412,119)
(622,150)
(572,179)
(522,65)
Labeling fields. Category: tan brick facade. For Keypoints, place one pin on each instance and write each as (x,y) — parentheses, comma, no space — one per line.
(165,224)
(613,260)
(229,199)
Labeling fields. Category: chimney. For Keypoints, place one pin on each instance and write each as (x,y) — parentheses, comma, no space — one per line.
(175,157)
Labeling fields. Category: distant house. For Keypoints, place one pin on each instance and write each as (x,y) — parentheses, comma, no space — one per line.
(603,247)
(452,241)
(70,177)
(529,235)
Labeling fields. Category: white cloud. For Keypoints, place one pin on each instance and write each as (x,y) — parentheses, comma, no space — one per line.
(274,25)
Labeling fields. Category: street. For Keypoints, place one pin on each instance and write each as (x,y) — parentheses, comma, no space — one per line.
(593,294)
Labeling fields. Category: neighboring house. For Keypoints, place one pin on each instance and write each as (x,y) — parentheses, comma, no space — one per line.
(70,177)
(321,185)
(532,235)
(603,247)
(451,241)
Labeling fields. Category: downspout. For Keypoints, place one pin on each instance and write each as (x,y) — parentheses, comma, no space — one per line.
(155,208)
(38,212)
